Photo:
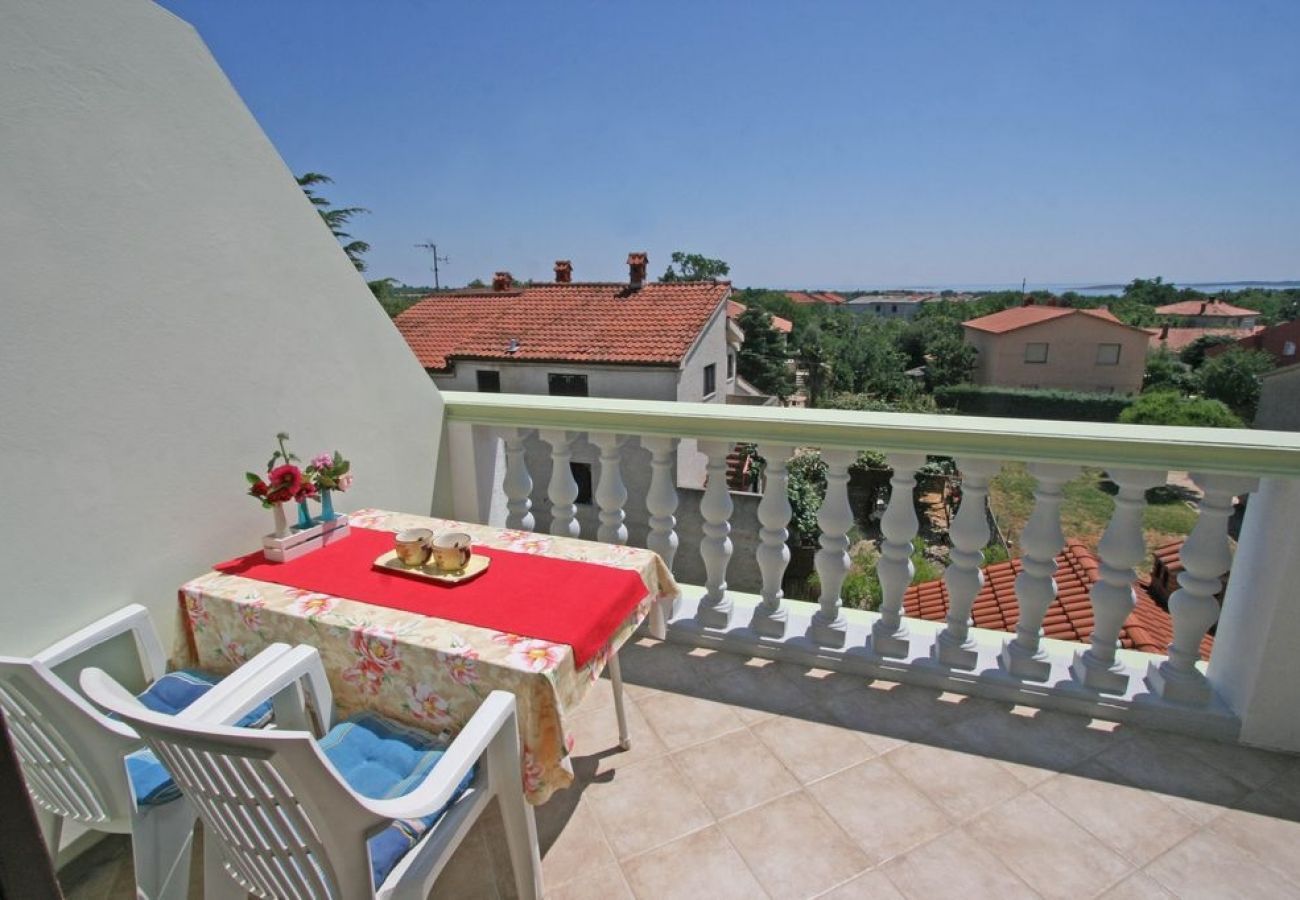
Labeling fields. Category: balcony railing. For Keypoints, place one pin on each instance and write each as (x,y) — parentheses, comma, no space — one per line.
(1242,694)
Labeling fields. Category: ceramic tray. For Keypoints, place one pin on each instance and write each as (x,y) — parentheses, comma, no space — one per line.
(476,566)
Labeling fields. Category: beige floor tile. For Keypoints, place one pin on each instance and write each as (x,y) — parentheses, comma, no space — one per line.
(793,847)
(602,883)
(873,885)
(1051,853)
(759,691)
(880,809)
(1253,768)
(469,873)
(700,865)
(819,684)
(953,865)
(645,806)
(1274,841)
(885,713)
(1131,821)
(1138,886)
(1195,788)
(595,741)
(734,772)
(962,784)
(680,720)
(572,851)
(1035,741)
(1208,865)
(810,749)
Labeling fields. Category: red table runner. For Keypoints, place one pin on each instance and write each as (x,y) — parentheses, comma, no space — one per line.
(557,600)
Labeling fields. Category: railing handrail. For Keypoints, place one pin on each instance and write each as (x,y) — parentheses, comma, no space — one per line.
(1225,450)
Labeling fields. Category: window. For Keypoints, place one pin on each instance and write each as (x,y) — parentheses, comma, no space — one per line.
(566,385)
(731,366)
(1035,353)
(489,382)
(1288,349)
(710,380)
(893,307)
(1108,354)
(582,475)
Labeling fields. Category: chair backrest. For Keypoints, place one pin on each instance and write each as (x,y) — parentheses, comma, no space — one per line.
(286,824)
(71,753)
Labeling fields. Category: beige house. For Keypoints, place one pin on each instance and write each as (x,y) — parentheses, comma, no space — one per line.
(1058,347)
(1279,400)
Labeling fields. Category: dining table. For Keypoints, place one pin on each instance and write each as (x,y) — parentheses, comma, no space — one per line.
(543,621)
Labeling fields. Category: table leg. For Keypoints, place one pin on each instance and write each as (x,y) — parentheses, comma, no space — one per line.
(616,679)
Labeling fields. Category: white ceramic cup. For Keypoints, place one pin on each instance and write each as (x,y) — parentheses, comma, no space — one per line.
(451,551)
(413,546)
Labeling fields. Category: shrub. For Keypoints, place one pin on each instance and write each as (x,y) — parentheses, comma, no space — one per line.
(1232,377)
(1031,403)
(1170,408)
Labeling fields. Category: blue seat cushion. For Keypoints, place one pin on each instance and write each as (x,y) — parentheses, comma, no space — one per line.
(382,759)
(175,691)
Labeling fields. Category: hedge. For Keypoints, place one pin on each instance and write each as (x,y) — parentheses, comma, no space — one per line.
(1031,403)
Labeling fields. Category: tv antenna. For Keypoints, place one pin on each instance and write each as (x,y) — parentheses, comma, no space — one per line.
(433,249)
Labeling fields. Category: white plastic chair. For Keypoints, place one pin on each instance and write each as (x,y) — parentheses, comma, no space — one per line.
(73,756)
(285,818)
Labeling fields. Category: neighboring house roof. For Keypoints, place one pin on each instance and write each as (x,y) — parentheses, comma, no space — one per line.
(1215,308)
(1148,628)
(807,298)
(1274,340)
(734,310)
(1024,316)
(654,324)
(1176,339)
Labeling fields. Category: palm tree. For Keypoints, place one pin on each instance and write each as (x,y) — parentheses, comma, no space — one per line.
(335,219)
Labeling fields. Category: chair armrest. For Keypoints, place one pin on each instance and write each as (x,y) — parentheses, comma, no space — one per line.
(293,678)
(437,788)
(133,618)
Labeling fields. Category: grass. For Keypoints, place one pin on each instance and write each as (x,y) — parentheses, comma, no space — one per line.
(1087,507)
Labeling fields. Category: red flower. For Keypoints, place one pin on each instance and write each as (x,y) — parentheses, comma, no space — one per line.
(286,482)
(306,492)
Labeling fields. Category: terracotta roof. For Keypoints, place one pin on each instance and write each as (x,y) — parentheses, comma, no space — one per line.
(1023,316)
(1204,308)
(808,298)
(1069,618)
(734,309)
(655,324)
(1176,339)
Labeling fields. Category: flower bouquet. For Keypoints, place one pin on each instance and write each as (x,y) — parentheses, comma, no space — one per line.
(285,481)
(329,472)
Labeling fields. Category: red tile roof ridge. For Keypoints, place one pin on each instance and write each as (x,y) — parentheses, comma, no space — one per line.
(1204,308)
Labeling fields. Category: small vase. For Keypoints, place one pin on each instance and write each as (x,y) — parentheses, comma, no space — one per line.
(327,513)
(304,516)
(281,523)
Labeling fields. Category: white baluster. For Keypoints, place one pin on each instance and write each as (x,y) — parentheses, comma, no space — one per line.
(517,484)
(969,535)
(773,555)
(1205,557)
(611,494)
(715,547)
(1122,547)
(898,526)
(661,504)
(562,489)
(1040,542)
(835,518)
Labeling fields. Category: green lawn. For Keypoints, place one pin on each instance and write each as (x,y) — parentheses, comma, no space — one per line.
(1087,508)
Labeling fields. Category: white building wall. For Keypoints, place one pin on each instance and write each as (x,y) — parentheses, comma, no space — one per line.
(630,382)
(710,349)
(170,302)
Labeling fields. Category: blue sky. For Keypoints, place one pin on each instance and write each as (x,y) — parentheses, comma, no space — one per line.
(809,144)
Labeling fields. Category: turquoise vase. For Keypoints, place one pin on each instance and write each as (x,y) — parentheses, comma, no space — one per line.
(327,513)
(304,516)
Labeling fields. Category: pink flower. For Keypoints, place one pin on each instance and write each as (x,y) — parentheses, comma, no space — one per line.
(462,667)
(323,461)
(532,772)
(366,675)
(310,604)
(536,656)
(343,482)
(378,646)
(427,706)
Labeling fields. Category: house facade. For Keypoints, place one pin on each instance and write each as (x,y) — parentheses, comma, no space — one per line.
(1059,348)
(889,306)
(1279,400)
(1279,341)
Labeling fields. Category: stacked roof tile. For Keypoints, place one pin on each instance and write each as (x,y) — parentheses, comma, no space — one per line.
(734,309)
(807,298)
(1069,618)
(1212,308)
(1024,316)
(653,324)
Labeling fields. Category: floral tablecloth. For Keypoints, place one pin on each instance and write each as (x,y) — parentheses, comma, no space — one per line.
(428,672)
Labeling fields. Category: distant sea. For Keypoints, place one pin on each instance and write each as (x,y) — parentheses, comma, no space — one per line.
(1209,287)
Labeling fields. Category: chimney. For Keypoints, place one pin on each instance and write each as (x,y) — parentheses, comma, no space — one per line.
(1202,309)
(636,265)
(1164,331)
(563,271)
(1029,301)
(502,281)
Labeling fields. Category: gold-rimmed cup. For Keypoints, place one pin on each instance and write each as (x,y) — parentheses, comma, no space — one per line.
(413,546)
(451,551)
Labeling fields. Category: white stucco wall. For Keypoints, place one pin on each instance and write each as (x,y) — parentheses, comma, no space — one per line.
(170,302)
(630,382)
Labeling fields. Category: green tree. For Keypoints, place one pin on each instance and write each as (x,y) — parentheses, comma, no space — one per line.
(695,267)
(336,218)
(1233,376)
(1171,408)
(1166,372)
(762,359)
(949,361)
(1194,353)
(816,360)
(1151,292)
